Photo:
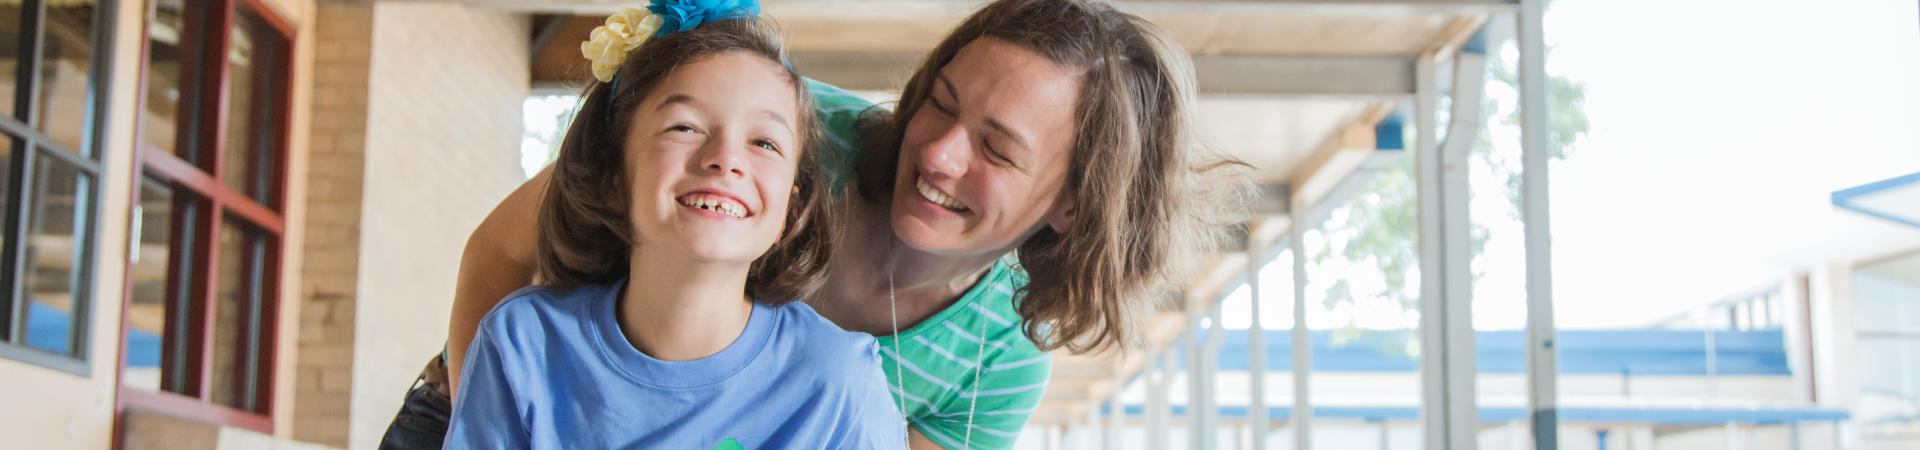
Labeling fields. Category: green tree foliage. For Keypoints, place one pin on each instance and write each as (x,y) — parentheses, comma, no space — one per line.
(1380,225)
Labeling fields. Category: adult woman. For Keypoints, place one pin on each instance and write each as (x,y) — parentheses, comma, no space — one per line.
(1055,127)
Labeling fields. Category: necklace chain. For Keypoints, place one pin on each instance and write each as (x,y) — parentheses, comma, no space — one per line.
(893,306)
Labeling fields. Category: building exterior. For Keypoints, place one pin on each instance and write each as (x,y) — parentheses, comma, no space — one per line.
(236,224)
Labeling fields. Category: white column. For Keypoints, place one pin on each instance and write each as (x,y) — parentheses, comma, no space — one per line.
(1542,365)
(1160,372)
(1196,379)
(1210,366)
(1302,421)
(1256,351)
(1449,409)
(1116,414)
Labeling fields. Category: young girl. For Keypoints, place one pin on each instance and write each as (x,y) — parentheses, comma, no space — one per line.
(694,149)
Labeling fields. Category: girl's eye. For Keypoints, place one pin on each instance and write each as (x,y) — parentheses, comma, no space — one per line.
(942,109)
(766,144)
(684,128)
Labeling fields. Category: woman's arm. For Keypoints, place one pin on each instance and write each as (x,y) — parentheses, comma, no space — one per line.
(497,261)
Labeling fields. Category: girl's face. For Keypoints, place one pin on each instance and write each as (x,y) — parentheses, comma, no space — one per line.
(711,155)
(985,158)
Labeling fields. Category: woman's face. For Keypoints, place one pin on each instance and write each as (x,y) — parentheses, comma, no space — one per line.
(711,156)
(984,160)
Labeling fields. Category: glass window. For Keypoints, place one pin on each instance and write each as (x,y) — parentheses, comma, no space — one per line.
(161,214)
(65,72)
(9,54)
(1887,318)
(214,247)
(54,254)
(49,179)
(159,121)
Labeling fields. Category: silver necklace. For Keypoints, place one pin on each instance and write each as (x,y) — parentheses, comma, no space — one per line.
(893,307)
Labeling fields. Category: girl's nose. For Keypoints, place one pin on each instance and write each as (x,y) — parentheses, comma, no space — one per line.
(723,158)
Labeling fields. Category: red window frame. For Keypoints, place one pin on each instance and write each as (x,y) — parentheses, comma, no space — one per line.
(218,203)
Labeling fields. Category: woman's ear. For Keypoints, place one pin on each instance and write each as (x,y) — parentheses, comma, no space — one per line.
(1064,212)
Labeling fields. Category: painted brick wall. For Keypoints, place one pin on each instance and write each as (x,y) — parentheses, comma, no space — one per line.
(443,127)
(323,371)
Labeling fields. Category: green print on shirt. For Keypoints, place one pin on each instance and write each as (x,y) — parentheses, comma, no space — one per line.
(729,445)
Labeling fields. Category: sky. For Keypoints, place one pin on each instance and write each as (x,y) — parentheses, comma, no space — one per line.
(1719,131)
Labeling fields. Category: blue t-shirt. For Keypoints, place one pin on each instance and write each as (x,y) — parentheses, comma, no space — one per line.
(551,370)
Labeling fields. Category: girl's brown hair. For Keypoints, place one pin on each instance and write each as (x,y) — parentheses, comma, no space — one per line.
(585,233)
(1148,199)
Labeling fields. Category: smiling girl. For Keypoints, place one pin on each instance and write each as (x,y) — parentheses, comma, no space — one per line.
(686,215)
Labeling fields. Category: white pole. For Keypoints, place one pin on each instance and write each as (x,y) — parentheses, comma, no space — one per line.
(1302,421)
(1256,351)
(1542,367)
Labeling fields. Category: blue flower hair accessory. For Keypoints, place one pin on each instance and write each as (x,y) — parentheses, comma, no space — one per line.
(682,15)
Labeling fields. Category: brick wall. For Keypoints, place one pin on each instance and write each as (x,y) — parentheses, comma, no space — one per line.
(323,370)
(443,126)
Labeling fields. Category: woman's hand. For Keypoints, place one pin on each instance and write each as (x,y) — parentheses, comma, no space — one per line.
(498,260)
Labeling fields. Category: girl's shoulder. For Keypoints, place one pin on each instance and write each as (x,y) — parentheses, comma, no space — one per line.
(538,309)
(814,340)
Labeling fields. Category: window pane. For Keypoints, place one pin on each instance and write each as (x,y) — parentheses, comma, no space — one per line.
(165,25)
(55,259)
(251,126)
(148,313)
(240,99)
(9,54)
(237,305)
(63,72)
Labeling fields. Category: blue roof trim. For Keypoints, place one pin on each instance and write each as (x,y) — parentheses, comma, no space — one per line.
(1390,134)
(1629,352)
(1844,197)
(1701,416)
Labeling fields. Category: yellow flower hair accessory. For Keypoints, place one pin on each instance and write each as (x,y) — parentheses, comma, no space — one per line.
(610,43)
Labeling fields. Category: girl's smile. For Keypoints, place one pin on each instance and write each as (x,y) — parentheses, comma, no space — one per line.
(716,204)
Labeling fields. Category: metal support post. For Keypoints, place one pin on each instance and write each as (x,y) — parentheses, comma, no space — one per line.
(1210,366)
(1116,413)
(1302,421)
(1542,367)
(1256,352)
(1196,380)
(1449,407)
(1159,408)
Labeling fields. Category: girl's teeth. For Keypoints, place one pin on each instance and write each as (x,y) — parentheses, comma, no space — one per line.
(716,204)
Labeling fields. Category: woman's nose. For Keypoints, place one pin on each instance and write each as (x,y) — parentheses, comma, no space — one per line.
(948,156)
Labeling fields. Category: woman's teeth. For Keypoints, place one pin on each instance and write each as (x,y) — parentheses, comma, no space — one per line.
(715,203)
(934,195)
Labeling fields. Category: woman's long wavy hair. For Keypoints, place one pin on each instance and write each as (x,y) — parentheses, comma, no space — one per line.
(1150,200)
(585,231)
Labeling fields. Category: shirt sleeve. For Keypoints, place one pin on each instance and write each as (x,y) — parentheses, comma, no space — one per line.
(842,143)
(876,422)
(1009,392)
(486,412)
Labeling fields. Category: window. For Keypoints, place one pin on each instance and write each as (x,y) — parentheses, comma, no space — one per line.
(1887,318)
(203,280)
(53,72)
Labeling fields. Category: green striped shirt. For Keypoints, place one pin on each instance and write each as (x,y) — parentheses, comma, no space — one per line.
(968,377)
